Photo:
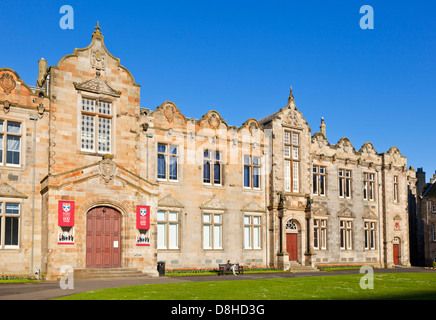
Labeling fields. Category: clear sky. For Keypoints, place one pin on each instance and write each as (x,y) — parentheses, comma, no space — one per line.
(241,57)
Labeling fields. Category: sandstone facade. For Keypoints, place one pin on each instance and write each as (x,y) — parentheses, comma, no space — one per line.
(265,193)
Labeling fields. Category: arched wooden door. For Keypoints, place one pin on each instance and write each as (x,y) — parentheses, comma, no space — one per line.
(103,238)
(292,240)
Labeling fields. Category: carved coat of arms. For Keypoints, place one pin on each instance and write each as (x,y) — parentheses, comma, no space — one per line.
(107,169)
(98,60)
(7,82)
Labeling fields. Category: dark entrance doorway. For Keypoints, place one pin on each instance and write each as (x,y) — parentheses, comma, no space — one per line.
(103,238)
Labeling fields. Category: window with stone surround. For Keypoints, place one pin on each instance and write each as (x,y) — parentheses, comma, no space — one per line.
(96,126)
(368,186)
(252,233)
(9,225)
(212,231)
(344,183)
(370,235)
(346,234)
(167,230)
(319,180)
(251,172)
(320,234)
(212,167)
(396,189)
(10,143)
(292,161)
(167,162)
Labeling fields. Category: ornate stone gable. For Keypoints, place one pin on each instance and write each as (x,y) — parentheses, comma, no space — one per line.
(345,145)
(7,191)
(169,201)
(213,204)
(345,213)
(253,207)
(97,85)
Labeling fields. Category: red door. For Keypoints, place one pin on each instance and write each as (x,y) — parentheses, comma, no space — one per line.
(292,246)
(396,254)
(103,235)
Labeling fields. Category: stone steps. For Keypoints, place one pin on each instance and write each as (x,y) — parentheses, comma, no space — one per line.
(108,273)
(297,267)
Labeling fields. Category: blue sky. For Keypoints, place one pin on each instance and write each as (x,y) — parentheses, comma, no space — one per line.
(241,57)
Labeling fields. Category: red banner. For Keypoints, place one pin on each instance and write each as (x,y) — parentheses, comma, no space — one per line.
(142,217)
(66,213)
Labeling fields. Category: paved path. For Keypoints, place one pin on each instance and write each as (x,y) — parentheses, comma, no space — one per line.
(51,290)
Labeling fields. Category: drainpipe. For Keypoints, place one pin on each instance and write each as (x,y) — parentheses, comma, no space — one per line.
(34,118)
(266,210)
(148,135)
(379,222)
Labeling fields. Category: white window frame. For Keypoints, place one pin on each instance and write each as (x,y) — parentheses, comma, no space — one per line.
(212,161)
(292,155)
(346,234)
(319,180)
(368,186)
(252,231)
(320,234)
(345,183)
(168,157)
(3,217)
(4,143)
(96,115)
(170,227)
(212,231)
(370,229)
(249,162)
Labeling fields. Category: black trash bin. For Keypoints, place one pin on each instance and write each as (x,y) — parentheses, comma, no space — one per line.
(161,268)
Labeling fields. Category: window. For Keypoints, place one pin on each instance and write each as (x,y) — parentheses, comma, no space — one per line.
(433,206)
(344,183)
(10,142)
(251,232)
(251,172)
(167,162)
(212,231)
(167,230)
(212,167)
(433,232)
(370,235)
(346,231)
(319,180)
(9,225)
(395,188)
(96,114)
(320,234)
(368,186)
(292,163)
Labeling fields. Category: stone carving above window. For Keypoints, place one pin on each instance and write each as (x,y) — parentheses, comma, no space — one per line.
(97,85)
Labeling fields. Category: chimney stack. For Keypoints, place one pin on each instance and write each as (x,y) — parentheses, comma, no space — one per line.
(322,127)
(42,72)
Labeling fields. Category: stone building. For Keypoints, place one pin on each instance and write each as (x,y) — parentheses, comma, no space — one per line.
(89,179)
(426,220)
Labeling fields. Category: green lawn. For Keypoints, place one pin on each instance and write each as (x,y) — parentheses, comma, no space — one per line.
(398,286)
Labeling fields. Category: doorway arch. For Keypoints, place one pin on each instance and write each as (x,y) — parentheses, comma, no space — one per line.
(103,238)
(292,239)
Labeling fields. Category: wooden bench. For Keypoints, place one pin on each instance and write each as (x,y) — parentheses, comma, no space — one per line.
(225,268)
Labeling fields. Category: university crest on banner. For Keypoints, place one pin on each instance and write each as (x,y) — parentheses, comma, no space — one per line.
(142,217)
(66,213)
